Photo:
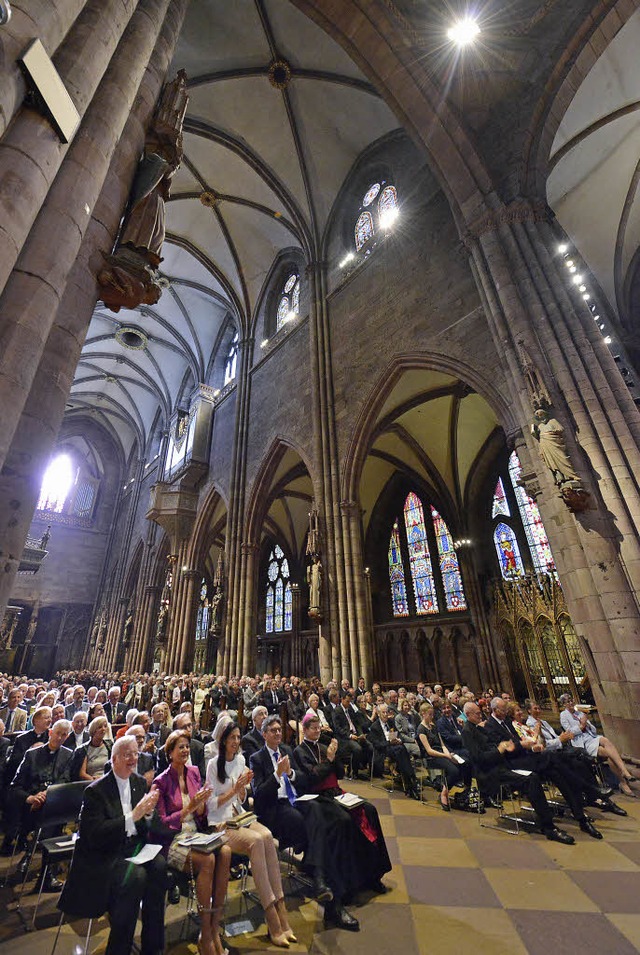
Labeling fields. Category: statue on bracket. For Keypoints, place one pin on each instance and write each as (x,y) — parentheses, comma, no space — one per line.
(552,446)
(314,570)
(129,276)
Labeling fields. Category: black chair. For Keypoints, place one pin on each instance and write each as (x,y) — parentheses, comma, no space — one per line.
(62,806)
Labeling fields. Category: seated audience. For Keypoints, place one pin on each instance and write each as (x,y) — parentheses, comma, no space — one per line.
(364,856)
(387,745)
(114,710)
(146,762)
(352,743)
(404,726)
(89,761)
(115,822)
(23,742)
(585,736)
(440,757)
(228,779)
(79,734)
(450,729)
(254,740)
(184,722)
(12,714)
(182,806)
(492,769)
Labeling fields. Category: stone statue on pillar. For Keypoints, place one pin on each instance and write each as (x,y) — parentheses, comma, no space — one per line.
(552,445)
(314,570)
(128,629)
(130,276)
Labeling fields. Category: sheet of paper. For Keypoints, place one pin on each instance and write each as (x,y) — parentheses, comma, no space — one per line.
(306,797)
(146,854)
(522,772)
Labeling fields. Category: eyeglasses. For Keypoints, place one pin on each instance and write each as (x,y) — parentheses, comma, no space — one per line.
(274,729)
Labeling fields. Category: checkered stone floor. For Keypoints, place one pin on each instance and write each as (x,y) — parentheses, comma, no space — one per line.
(454,884)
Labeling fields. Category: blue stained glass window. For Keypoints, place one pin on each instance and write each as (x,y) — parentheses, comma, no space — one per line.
(291,281)
(537,539)
(370,194)
(279,606)
(288,619)
(269,603)
(364,229)
(289,303)
(508,552)
(396,576)
(419,556)
(278,600)
(449,567)
(500,505)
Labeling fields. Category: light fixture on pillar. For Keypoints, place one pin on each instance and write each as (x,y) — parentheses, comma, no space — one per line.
(5,12)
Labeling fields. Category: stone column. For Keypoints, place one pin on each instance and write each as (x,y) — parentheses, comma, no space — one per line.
(43,413)
(49,20)
(147,626)
(246,661)
(174,631)
(33,293)
(229,648)
(187,643)
(30,151)
(296,639)
(528,299)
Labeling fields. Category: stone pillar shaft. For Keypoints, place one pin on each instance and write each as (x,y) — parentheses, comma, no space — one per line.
(250,560)
(597,552)
(49,20)
(44,410)
(33,293)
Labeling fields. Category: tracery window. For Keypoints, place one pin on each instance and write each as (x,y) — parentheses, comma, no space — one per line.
(231,363)
(449,567)
(537,539)
(378,210)
(202,617)
(289,303)
(500,505)
(67,490)
(418,562)
(278,599)
(508,552)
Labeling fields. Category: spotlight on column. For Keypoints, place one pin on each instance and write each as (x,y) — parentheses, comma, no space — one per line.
(5,12)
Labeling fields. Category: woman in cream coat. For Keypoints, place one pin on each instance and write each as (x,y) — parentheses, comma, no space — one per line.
(228,777)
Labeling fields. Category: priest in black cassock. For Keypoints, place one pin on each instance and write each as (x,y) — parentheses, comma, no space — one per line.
(318,771)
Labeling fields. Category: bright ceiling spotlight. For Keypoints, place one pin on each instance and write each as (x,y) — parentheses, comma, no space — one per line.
(562,248)
(264,343)
(464,31)
(577,279)
(607,339)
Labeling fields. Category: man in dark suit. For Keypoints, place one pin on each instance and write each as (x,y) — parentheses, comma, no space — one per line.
(492,769)
(252,741)
(115,821)
(184,722)
(387,744)
(271,698)
(79,734)
(41,767)
(114,710)
(302,825)
(352,743)
(449,730)
(158,726)
(23,742)
(529,755)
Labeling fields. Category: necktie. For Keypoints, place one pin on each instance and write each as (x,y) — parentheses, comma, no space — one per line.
(7,728)
(288,788)
(350,722)
(275,699)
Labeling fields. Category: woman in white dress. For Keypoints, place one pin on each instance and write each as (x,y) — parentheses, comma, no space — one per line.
(585,736)
(228,777)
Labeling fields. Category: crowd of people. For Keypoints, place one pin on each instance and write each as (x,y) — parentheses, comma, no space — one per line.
(200,768)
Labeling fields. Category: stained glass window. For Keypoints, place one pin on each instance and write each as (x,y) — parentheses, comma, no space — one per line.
(388,205)
(364,229)
(58,480)
(419,556)
(449,568)
(537,539)
(500,504)
(396,576)
(278,601)
(231,363)
(508,552)
(289,303)
(370,194)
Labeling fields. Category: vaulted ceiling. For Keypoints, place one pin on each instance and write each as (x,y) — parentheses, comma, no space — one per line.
(262,167)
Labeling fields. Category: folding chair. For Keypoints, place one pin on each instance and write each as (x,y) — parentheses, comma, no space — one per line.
(516,817)
(61,807)
(390,769)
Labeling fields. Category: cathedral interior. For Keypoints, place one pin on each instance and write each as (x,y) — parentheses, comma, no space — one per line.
(320,354)
(366,402)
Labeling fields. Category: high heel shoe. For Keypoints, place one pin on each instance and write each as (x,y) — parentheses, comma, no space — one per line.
(444,801)
(276,935)
(626,788)
(290,937)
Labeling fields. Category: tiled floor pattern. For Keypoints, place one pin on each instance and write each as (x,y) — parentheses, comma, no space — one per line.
(454,885)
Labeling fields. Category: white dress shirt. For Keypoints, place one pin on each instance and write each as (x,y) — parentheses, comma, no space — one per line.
(124,788)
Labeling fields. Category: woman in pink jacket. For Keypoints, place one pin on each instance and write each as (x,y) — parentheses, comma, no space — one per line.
(182,808)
